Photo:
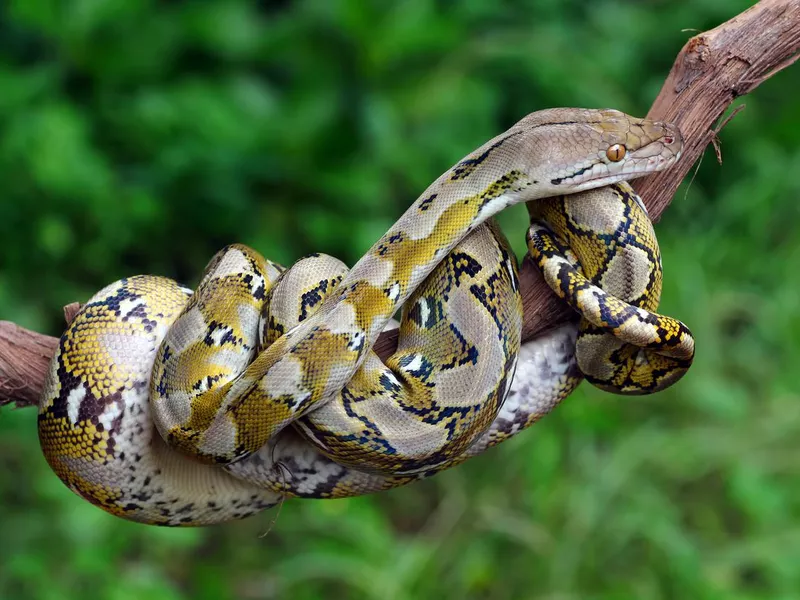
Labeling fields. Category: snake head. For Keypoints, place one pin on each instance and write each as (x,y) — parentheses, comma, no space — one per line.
(582,149)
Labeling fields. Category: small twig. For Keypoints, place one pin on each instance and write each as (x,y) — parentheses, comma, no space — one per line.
(717,143)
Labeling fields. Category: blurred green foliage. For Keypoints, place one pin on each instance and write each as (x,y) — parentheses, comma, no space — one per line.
(138,136)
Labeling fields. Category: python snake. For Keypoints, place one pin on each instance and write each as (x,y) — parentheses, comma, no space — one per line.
(172,407)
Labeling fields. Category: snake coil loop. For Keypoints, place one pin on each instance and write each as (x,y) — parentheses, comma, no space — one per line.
(173,407)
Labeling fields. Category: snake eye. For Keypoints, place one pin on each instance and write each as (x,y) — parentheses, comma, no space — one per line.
(616,152)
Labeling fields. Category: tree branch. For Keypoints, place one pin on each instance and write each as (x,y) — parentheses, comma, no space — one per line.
(710,72)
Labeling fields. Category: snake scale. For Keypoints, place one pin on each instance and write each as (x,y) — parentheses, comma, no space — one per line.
(169,406)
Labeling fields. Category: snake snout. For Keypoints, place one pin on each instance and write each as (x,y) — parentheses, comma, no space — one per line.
(671,139)
(659,141)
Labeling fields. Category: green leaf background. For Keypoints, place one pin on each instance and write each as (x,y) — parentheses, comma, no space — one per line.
(140,136)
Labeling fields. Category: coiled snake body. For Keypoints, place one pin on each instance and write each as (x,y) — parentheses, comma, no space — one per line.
(173,407)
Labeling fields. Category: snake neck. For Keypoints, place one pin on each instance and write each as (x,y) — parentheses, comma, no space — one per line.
(396,264)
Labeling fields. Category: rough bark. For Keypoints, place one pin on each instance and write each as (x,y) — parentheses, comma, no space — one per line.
(712,70)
